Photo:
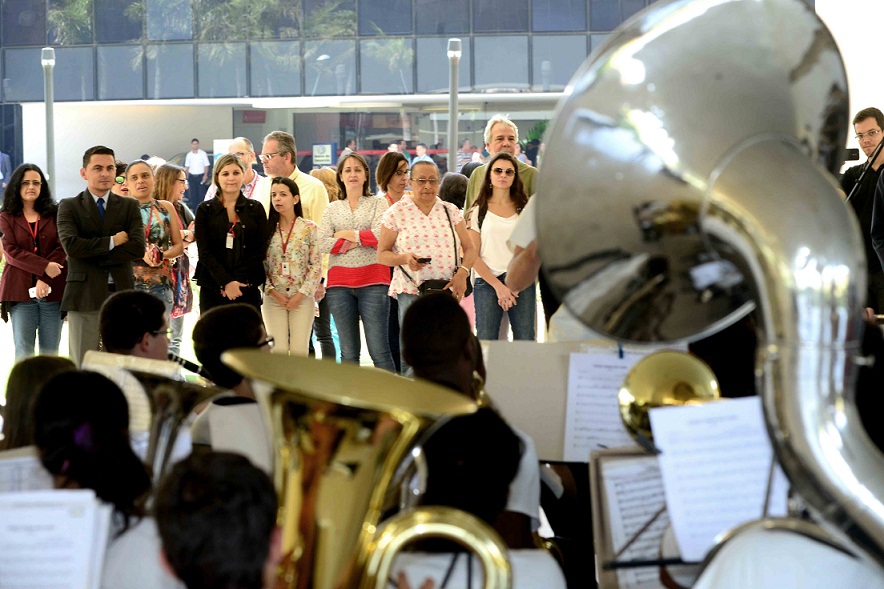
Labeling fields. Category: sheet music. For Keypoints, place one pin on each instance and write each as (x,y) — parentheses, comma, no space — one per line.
(592,417)
(715,462)
(23,473)
(634,494)
(42,537)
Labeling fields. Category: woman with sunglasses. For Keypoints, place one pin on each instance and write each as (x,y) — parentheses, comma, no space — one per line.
(162,236)
(491,221)
(357,283)
(171,185)
(33,280)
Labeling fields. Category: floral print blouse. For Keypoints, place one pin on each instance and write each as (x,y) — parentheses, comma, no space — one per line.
(158,231)
(300,250)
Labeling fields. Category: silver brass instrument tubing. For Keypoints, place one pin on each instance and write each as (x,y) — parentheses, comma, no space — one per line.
(688,180)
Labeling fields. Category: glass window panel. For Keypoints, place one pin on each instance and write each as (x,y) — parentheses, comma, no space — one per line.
(630,7)
(604,15)
(555,60)
(276,68)
(169,20)
(329,68)
(379,17)
(504,63)
(23,22)
(387,66)
(23,75)
(497,16)
(120,72)
(74,73)
(222,70)
(70,22)
(118,20)
(170,71)
(559,15)
(433,66)
(329,18)
(433,17)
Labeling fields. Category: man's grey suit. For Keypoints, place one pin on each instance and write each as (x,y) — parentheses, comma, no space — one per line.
(86,240)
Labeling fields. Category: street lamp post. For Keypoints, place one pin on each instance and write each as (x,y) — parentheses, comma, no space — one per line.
(47,58)
(454,53)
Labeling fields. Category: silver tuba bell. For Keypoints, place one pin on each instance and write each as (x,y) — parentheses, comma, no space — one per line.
(687,181)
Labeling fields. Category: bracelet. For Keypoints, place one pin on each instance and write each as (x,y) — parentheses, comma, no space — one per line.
(459,268)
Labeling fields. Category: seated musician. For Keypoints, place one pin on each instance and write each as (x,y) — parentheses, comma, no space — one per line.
(216,514)
(81,429)
(440,346)
(223,328)
(471,461)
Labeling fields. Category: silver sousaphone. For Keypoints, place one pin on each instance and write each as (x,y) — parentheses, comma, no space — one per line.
(688,180)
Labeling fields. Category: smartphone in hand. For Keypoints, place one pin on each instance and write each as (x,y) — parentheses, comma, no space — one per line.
(424,260)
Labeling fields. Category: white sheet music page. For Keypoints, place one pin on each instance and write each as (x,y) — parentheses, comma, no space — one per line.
(20,470)
(45,539)
(592,417)
(634,495)
(715,461)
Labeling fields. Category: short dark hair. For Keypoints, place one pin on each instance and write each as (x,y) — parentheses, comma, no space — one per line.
(868,113)
(97,150)
(212,336)
(126,316)
(435,332)
(216,513)
(387,166)
(424,145)
(26,378)
(468,168)
(471,461)
(194,139)
(453,188)
(81,428)
(12,203)
(121,167)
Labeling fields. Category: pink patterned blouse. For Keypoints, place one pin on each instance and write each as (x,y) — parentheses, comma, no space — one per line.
(302,256)
(426,236)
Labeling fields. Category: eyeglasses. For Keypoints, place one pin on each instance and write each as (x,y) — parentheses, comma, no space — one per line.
(268,342)
(266,157)
(119,179)
(34,183)
(182,180)
(425,181)
(871,134)
(499,171)
(167,332)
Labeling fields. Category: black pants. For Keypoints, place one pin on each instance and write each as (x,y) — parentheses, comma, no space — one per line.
(196,191)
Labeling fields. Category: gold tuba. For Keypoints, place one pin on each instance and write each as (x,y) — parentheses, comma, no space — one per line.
(339,434)
(688,180)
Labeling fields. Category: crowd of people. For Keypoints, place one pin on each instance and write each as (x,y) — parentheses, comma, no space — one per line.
(274,259)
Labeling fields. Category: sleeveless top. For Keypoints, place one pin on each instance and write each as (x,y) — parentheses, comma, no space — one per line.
(157,231)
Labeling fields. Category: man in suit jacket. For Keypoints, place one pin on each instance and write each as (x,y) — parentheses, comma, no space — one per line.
(102,233)
(5,169)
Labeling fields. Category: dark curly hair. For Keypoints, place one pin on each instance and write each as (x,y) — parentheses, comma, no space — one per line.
(12,203)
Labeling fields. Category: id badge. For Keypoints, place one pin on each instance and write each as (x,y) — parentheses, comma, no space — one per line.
(285,269)
(229,241)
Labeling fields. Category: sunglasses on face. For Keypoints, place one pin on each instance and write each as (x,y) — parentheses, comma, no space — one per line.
(499,171)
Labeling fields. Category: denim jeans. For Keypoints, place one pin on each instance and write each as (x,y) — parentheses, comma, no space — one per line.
(372,304)
(323,331)
(31,318)
(177,326)
(522,316)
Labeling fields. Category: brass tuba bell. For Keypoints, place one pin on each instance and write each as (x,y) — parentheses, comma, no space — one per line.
(339,433)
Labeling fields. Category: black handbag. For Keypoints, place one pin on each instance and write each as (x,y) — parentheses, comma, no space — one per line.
(438,284)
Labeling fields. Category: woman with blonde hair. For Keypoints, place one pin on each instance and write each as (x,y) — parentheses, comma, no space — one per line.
(231,238)
(328,177)
(162,233)
(170,186)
